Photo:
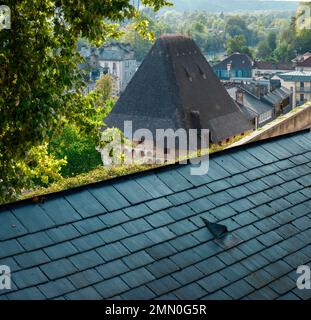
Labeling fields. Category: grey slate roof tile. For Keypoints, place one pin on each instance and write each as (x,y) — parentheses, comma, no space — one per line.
(85,203)
(85,278)
(109,197)
(145,237)
(10,227)
(33,218)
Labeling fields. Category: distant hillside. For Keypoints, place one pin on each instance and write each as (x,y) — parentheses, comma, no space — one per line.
(233,5)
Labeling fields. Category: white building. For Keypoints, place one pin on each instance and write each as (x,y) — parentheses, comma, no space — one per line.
(299,82)
(116,59)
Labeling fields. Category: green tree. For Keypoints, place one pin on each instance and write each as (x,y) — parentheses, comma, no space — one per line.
(237,44)
(41,87)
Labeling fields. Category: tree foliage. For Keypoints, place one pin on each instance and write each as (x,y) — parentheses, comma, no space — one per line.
(41,87)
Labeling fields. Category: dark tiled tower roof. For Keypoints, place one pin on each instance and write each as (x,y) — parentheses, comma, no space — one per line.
(174,80)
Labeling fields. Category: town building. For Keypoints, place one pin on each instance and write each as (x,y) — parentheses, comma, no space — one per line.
(267,68)
(176,88)
(299,83)
(304,65)
(235,67)
(115,59)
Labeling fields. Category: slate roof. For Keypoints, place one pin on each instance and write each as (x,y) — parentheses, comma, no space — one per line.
(142,236)
(267,65)
(237,61)
(306,63)
(174,80)
(296,76)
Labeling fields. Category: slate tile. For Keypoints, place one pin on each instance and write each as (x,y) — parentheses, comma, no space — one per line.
(33,218)
(247,232)
(238,179)
(259,279)
(162,268)
(292,244)
(162,250)
(114,218)
(10,227)
(112,269)
(223,212)
(159,219)
(185,172)
(266,225)
(270,238)
(262,294)
(88,293)
(137,211)
(201,205)
(26,294)
(305,180)
(56,288)
(203,235)
(256,186)
(262,155)
(160,235)
(140,293)
(158,204)
(111,287)
(184,242)
(213,282)
(276,192)
(210,265)
(85,278)
(296,259)
(185,258)
(288,296)
(246,159)
(190,292)
(251,247)
(9,248)
(259,198)
(220,198)
(85,203)
(241,205)
(132,191)
(198,192)
(58,269)
(174,180)
(227,162)
(303,294)
(62,233)
(109,197)
(29,277)
(283,285)
(230,224)
(291,186)
(231,256)
(286,231)
(182,227)
(113,251)
(208,249)
(300,210)
(118,232)
(87,242)
(280,204)
(272,180)
(60,211)
(234,272)
(180,197)
(283,217)
(180,212)
(217,296)
(153,185)
(86,260)
(137,277)
(219,185)
(137,243)
(274,253)
(167,297)
(239,192)
(255,262)
(238,289)
(302,223)
(263,211)
(11,263)
(245,218)
(188,275)
(138,259)
(31,259)
(278,268)
(296,197)
(163,285)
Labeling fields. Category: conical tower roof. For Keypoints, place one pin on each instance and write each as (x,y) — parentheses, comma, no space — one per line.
(175,87)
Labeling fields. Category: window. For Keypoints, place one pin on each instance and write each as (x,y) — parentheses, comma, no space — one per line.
(302,84)
(302,97)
